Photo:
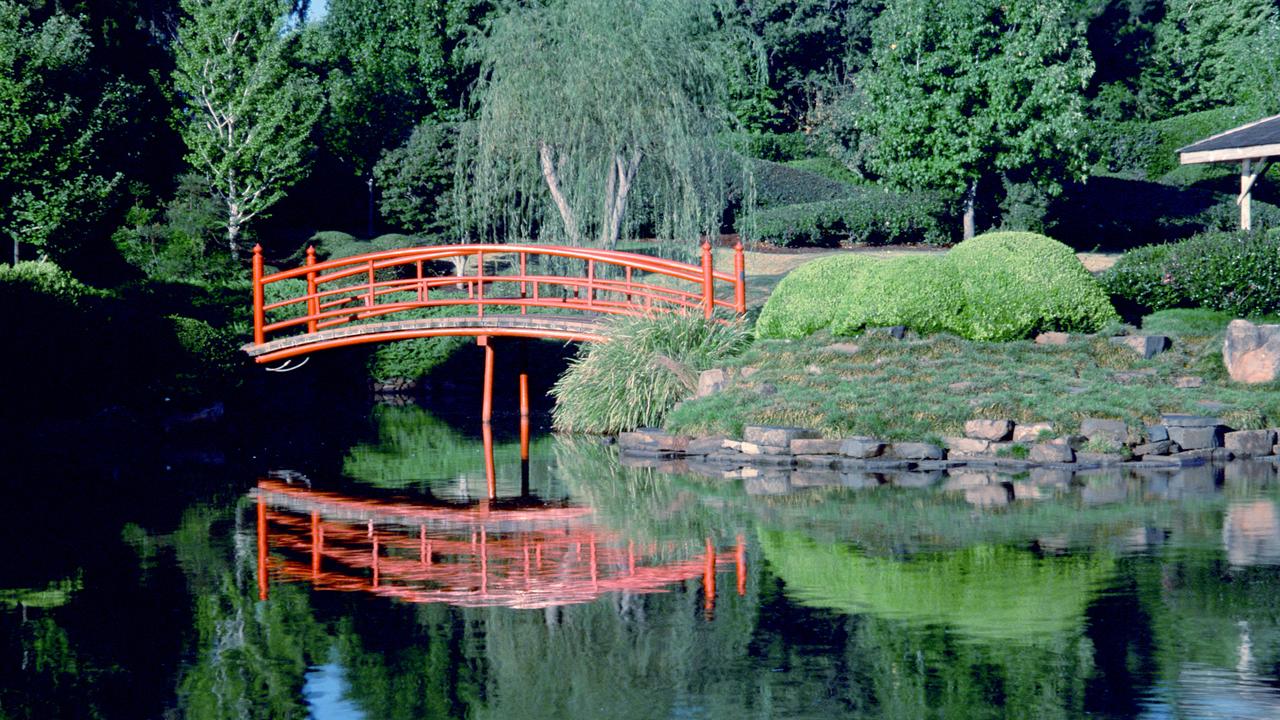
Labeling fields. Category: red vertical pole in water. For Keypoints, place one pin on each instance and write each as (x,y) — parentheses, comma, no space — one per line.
(709,579)
(740,565)
(259,314)
(708,281)
(484,562)
(315,544)
(486,405)
(740,280)
(262,548)
(490,476)
(376,577)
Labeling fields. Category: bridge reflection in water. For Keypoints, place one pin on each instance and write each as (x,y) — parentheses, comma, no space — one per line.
(519,552)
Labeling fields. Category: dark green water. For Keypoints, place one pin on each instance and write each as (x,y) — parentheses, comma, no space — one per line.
(395,589)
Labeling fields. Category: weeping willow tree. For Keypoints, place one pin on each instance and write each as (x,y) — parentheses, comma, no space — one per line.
(597,119)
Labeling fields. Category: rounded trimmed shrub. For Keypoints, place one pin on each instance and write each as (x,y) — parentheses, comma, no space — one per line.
(808,299)
(1019,283)
(922,292)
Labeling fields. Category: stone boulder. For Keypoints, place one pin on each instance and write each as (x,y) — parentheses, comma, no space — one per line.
(1101,429)
(711,382)
(1148,346)
(1031,432)
(1250,443)
(1252,352)
(775,435)
(994,430)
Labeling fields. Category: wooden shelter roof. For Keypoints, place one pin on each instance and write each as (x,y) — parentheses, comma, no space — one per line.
(1256,140)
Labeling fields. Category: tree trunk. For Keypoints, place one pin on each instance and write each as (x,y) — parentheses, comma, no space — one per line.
(970,200)
(233,233)
(624,172)
(550,174)
(15,250)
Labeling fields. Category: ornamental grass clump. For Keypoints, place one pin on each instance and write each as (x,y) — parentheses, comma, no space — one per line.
(647,366)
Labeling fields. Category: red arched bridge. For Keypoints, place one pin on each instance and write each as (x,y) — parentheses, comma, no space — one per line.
(532,291)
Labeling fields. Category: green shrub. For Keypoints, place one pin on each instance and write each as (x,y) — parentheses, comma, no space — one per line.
(646,367)
(209,352)
(921,292)
(1141,278)
(777,185)
(874,217)
(1238,272)
(332,244)
(1149,149)
(808,299)
(413,358)
(827,167)
(1018,283)
(774,147)
(47,279)
(284,290)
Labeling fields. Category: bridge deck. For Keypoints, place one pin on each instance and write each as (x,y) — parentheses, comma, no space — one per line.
(554,327)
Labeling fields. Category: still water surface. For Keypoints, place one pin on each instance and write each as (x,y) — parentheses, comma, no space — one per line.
(376,578)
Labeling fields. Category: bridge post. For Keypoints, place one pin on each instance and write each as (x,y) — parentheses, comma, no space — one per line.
(259,315)
(740,278)
(313,303)
(708,281)
(486,406)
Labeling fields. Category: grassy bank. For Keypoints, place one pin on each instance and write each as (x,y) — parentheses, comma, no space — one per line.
(921,388)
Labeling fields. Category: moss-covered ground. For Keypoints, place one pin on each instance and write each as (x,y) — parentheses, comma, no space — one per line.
(923,388)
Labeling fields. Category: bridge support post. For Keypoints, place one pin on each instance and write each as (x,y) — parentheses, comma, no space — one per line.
(486,406)
(263,586)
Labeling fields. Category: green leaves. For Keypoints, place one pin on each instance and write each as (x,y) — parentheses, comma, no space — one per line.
(959,91)
(247,115)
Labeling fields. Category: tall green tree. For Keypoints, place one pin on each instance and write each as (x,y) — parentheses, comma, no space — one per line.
(385,72)
(246,113)
(50,127)
(964,93)
(1215,53)
(580,102)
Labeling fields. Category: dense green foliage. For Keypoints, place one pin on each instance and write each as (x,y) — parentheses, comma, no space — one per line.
(1235,271)
(647,366)
(871,216)
(46,279)
(50,128)
(805,301)
(1017,284)
(247,114)
(959,94)
(999,286)
(924,293)
(583,103)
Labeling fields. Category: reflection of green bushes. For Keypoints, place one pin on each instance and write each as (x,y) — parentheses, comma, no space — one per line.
(415,448)
(984,591)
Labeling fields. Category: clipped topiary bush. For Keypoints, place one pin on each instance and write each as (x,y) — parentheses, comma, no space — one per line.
(1019,283)
(808,299)
(1000,286)
(647,366)
(874,217)
(47,279)
(1234,271)
(921,292)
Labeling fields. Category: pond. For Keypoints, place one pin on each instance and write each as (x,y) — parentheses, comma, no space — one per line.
(401,571)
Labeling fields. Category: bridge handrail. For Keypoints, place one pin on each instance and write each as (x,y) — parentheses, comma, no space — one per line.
(323,310)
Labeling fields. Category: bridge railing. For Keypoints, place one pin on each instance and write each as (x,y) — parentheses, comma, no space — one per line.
(364,287)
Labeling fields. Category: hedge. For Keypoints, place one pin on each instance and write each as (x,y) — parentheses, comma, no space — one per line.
(1237,272)
(999,286)
(922,292)
(1019,283)
(808,299)
(873,217)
